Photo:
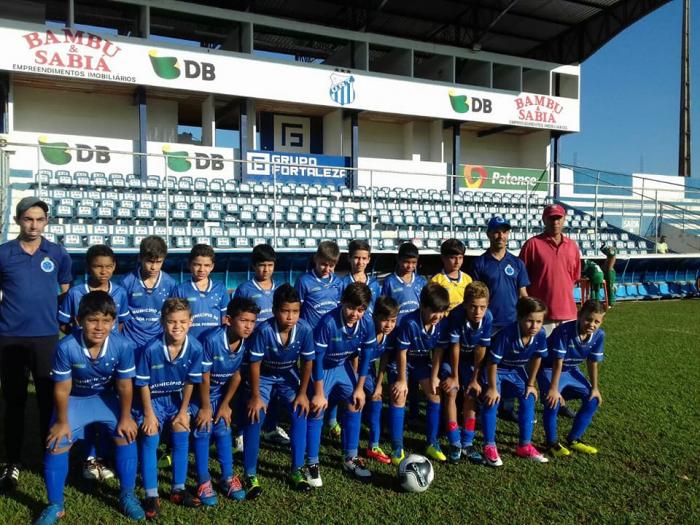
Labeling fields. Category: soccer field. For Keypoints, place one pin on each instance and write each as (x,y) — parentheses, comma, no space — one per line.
(647,470)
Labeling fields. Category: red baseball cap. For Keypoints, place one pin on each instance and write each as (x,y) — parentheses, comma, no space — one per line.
(553,210)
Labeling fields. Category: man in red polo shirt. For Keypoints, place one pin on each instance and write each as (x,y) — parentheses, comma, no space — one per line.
(553,262)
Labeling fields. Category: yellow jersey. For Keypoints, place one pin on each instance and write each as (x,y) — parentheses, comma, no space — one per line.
(455,287)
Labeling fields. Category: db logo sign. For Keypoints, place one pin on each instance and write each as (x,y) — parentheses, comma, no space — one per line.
(465,104)
(169,68)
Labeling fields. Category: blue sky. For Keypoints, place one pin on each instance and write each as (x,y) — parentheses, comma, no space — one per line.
(630,92)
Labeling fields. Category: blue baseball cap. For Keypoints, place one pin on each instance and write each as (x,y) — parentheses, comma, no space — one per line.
(497,222)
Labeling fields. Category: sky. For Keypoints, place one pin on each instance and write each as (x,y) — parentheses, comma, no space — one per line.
(630,93)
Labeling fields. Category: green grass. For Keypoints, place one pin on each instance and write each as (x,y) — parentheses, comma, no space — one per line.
(647,471)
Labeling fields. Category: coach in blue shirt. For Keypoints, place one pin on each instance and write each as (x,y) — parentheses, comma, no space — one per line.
(31,271)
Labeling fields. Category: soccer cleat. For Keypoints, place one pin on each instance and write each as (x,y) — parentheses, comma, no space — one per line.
(356,468)
(566,412)
(377,454)
(233,488)
(252,487)
(334,431)
(434,452)
(491,457)
(51,515)
(299,481)
(472,454)
(313,475)
(151,507)
(206,494)
(131,508)
(558,450)
(277,436)
(184,498)
(530,452)
(9,477)
(104,471)
(238,445)
(454,453)
(397,456)
(579,446)
(91,470)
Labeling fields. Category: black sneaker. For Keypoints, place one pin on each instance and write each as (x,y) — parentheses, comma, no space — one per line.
(151,507)
(184,498)
(566,412)
(9,477)
(356,468)
(313,475)
(299,482)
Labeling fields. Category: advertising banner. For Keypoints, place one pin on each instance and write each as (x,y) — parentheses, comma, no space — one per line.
(502,179)
(189,160)
(297,168)
(64,52)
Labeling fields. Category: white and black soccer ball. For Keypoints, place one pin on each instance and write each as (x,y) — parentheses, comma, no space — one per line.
(416,473)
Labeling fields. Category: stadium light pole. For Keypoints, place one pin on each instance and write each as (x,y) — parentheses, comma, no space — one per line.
(684,124)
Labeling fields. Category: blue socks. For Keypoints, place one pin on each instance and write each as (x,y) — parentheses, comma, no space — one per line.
(526,417)
(55,472)
(396,415)
(583,418)
(298,438)
(332,415)
(125,462)
(374,411)
(200,440)
(180,444)
(251,446)
(224,448)
(488,423)
(314,427)
(549,422)
(467,433)
(148,448)
(351,429)
(432,422)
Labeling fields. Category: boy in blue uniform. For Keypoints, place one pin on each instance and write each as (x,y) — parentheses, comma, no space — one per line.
(278,344)
(93,375)
(339,336)
(208,299)
(519,345)
(571,344)
(223,351)
(385,312)
(147,288)
(359,253)
(261,289)
(469,328)
(418,337)
(405,285)
(166,370)
(101,264)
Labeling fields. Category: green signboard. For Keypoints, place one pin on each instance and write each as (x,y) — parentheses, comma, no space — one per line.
(504,179)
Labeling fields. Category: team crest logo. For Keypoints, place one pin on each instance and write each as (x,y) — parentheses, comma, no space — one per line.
(474,176)
(47,265)
(509,270)
(342,89)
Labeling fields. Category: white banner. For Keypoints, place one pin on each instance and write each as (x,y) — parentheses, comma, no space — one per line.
(188,160)
(79,54)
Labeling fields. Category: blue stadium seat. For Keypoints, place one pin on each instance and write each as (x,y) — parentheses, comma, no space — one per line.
(621,293)
(649,290)
(222,242)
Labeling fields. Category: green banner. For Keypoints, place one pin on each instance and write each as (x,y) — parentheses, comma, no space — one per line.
(499,178)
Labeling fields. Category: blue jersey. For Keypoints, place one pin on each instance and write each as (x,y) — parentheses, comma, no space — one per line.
(318,296)
(207,307)
(68,311)
(156,370)
(263,298)
(145,305)
(373,285)
(72,361)
(219,360)
(565,343)
(406,294)
(419,343)
(467,335)
(386,346)
(266,347)
(336,342)
(504,280)
(508,350)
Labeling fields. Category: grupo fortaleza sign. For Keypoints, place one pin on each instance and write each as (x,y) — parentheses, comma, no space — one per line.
(477,177)
(64,52)
(299,168)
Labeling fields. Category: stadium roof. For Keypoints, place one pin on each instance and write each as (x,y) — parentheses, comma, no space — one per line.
(560,31)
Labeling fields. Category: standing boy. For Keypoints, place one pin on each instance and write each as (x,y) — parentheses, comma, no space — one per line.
(208,299)
(452,278)
(147,288)
(93,374)
(278,345)
(359,253)
(405,285)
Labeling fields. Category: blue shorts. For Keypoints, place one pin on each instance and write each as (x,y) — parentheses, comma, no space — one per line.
(466,371)
(339,383)
(416,370)
(84,410)
(165,408)
(572,383)
(195,405)
(510,382)
(282,386)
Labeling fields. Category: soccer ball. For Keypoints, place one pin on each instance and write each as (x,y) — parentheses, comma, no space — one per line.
(416,473)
